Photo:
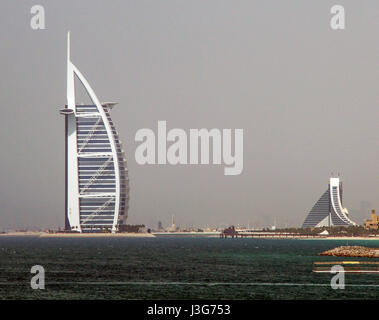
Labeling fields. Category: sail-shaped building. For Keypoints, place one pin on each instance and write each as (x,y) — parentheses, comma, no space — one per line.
(97,183)
(328,210)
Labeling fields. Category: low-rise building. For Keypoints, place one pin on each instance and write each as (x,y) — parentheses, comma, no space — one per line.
(372,224)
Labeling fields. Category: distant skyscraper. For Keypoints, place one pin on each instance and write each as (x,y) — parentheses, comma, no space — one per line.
(365,208)
(173,226)
(97,183)
(328,210)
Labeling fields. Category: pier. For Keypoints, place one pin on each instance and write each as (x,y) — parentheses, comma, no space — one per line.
(231,232)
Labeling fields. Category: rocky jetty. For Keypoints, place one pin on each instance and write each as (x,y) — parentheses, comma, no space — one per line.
(352,251)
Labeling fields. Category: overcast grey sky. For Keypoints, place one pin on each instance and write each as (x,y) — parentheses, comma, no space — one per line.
(305,95)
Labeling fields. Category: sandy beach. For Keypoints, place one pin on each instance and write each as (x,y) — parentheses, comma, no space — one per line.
(344,238)
(150,235)
(79,235)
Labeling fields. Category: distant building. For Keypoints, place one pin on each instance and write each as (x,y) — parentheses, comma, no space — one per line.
(328,210)
(160,227)
(372,224)
(173,226)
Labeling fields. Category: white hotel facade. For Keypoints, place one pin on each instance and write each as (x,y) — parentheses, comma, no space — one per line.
(97,183)
(328,211)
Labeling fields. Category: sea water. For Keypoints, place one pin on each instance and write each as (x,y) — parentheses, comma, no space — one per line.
(176,268)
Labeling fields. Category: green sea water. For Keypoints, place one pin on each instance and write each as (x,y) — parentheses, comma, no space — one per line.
(176,268)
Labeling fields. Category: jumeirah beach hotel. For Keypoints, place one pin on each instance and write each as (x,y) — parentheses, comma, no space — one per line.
(328,210)
(97,183)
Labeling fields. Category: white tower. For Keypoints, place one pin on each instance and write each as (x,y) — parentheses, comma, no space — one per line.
(328,210)
(97,183)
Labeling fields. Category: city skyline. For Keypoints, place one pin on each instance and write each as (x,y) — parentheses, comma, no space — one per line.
(305,95)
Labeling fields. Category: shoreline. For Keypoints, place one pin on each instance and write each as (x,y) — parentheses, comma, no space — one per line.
(42,234)
(97,235)
(77,235)
(345,238)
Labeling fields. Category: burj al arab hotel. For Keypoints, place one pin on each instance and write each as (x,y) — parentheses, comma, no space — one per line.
(97,183)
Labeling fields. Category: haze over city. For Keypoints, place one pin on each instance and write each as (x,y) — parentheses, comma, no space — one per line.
(306,97)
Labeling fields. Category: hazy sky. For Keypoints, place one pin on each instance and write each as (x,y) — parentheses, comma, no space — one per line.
(305,95)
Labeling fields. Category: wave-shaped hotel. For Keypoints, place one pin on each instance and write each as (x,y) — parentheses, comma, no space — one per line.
(328,210)
(97,183)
